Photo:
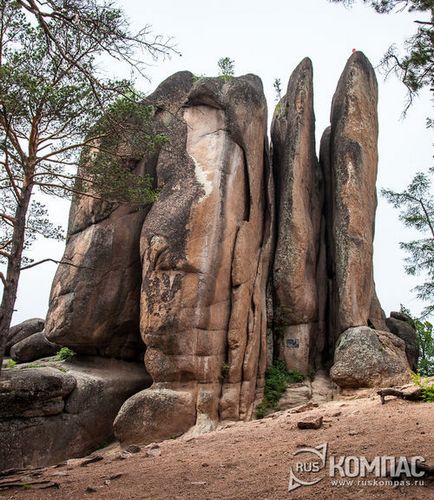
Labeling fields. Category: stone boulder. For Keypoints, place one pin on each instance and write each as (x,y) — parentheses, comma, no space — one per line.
(349,161)
(35,346)
(152,415)
(297,267)
(62,410)
(34,392)
(407,333)
(367,358)
(23,330)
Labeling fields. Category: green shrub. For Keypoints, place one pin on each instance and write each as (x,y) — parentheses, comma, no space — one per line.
(65,353)
(426,387)
(277,378)
(226,68)
(11,363)
(225,370)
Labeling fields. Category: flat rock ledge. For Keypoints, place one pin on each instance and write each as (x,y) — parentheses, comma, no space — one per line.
(63,409)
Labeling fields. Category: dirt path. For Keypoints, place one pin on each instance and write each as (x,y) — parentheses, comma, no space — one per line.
(253,460)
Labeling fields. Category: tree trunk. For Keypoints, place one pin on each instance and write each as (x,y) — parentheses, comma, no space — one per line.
(13,269)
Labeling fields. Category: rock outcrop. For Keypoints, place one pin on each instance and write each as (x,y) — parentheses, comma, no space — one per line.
(94,301)
(225,272)
(194,267)
(367,358)
(349,160)
(205,249)
(402,329)
(34,347)
(23,330)
(297,268)
(62,410)
(322,280)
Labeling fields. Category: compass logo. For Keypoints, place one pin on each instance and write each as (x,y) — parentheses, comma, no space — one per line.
(344,470)
(308,466)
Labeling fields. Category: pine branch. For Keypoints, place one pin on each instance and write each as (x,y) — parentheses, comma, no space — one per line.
(60,262)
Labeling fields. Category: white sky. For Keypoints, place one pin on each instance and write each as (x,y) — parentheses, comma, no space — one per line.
(269,38)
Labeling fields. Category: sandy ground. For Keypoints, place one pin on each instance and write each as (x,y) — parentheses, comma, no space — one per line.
(253,460)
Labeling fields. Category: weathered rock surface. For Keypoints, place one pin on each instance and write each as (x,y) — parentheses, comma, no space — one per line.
(349,154)
(322,281)
(155,415)
(366,358)
(296,395)
(205,247)
(23,330)
(298,310)
(319,390)
(407,333)
(34,392)
(191,271)
(49,414)
(94,302)
(35,346)
(310,422)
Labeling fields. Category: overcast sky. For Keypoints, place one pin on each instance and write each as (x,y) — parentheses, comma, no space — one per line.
(269,38)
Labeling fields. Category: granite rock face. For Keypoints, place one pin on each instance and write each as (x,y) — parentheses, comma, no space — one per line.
(240,260)
(407,333)
(297,266)
(322,280)
(349,161)
(23,330)
(205,247)
(35,346)
(366,358)
(62,410)
(94,300)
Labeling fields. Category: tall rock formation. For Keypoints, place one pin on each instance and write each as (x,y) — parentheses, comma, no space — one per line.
(297,269)
(349,160)
(205,248)
(186,280)
(322,281)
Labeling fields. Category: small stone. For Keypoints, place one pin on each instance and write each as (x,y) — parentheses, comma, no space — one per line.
(155,451)
(312,422)
(198,483)
(205,464)
(115,476)
(90,489)
(124,455)
(304,407)
(133,448)
(353,433)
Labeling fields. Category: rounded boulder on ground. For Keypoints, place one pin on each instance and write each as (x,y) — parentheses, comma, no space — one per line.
(367,358)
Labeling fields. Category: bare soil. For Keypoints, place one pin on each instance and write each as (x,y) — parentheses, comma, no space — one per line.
(252,460)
